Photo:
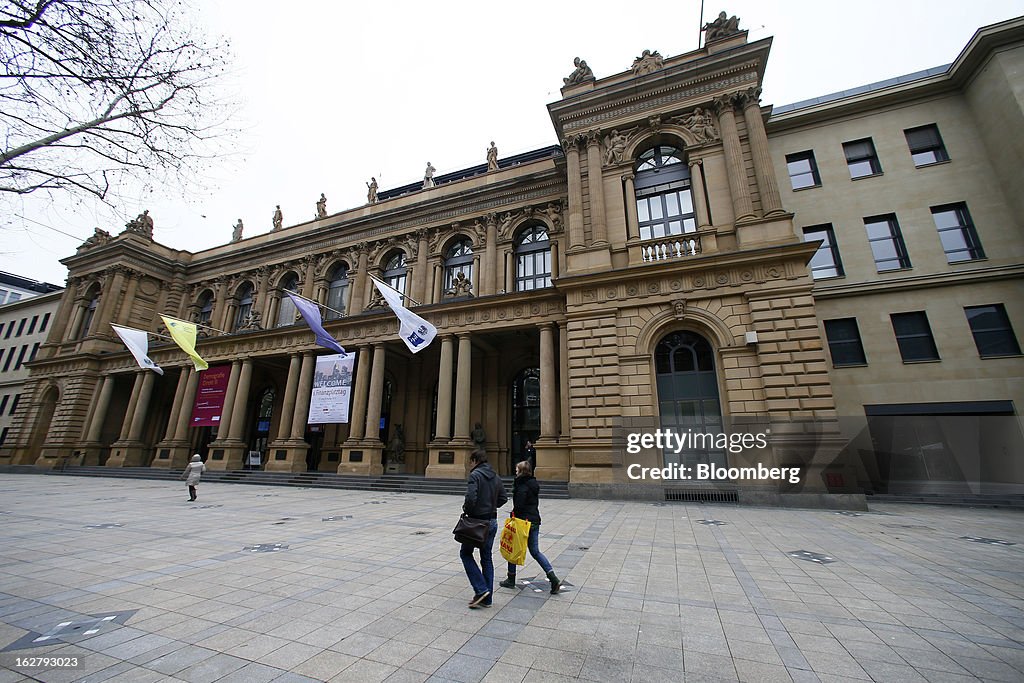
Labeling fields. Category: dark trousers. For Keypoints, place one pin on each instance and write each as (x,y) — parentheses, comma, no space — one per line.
(192,492)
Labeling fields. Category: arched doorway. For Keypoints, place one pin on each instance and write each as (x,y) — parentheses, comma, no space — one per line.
(688,401)
(525,413)
(47,407)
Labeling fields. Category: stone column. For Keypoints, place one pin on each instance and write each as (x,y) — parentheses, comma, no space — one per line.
(91,445)
(234,446)
(572,157)
(767,186)
(475,282)
(167,446)
(632,218)
(108,300)
(308,277)
(510,272)
(554,259)
(422,270)
(300,417)
(700,202)
(229,402)
(563,379)
(133,401)
(464,386)
(598,224)
(442,428)
(548,381)
(738,186)
(357,425)
(360,283)
(490,285)
(220,298)
(284,425)
(141,410)
(372,431)
(125,313)
(176,407)
(64,311)
(438,282)
(189,397)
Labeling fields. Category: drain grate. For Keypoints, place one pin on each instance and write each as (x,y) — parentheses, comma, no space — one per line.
(266,548)
(103,526)
(711,522)
(702,495)
(336,518)
(989,541)
(809,556)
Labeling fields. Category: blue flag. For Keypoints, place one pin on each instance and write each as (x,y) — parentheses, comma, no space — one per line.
(311,313)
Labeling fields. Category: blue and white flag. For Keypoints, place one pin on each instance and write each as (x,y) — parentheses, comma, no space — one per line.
(311,313)
(137,342)
(416,332)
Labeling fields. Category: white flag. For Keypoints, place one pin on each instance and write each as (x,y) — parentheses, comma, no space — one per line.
(137,342)
(416,332)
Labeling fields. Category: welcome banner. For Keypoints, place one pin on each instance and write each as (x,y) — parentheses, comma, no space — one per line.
(209,403)
(332,389)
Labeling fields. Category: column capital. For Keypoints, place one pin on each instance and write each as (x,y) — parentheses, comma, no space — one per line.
(628,176)
(695,162)
(751,97)
(464,335)
(593,138)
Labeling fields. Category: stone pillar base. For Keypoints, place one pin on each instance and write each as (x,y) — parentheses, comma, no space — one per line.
(171,455)
(362,458)
(129,454)
(582,260)
(226,455)
(449,461)
(287,456)
(552,461)
(86,454)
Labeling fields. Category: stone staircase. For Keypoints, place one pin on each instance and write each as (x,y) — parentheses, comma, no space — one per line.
(389,483)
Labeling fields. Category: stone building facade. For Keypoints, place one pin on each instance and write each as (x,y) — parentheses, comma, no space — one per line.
(654,270)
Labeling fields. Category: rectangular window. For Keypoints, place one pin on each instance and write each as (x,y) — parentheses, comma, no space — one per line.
(3,296)
(13,296)
(10,357)
(825,262)
(14,403)
(886,242)
(10,330)
(32,325)
(956,232)
(3,403)
(861,158)
(21,357)
(844,343)
(46,319)
(2,328)
(803,171)
(3,435)
(35,349)
(21,327)
(992,332)
(914,336)
(925,145)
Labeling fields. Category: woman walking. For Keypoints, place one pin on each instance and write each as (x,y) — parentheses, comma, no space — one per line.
(525,500)
(193,471)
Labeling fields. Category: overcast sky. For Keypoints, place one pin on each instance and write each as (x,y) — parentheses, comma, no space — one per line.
(340,91)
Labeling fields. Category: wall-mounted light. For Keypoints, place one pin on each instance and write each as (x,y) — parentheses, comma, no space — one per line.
(750,337)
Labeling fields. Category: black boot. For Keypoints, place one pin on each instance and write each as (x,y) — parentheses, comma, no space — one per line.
(556,585)
(509,582)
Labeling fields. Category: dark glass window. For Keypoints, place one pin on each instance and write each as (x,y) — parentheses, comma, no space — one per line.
(926,145)
(914,336)
(825,262)
(10,330)
(244,296)
(664,203)
(32,325)
(89,313)
(21,357)
(993,334)
(861,158)
(458,259)
(205,309)
(21,327)
(337,288)
(395,271)
(956,232)
(14,403)
(46,320)
(286,312)
(533,259)
(3,435)
(803,170)
(3,403)
(10,358)
(844,343)
(35,349)
(886,242)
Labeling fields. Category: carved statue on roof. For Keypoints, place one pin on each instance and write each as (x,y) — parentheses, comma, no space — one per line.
(428,176)
(278,219)
(371,191)
(321,206)
(722,27)
(141,225)
(492,157)
(236,234)
(98,238)
(648,62)
(581,74)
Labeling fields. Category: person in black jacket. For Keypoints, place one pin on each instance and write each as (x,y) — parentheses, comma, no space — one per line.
(485,493)
(525,500)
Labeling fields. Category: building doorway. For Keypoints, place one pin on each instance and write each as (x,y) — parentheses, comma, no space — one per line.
(525,413)
(688,396)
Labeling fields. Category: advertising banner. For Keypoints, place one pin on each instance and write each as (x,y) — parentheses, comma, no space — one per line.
(332,389)
(213,386)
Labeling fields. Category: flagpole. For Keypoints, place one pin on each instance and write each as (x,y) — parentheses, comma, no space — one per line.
(162,336)
(316,303)
(205,327)
(404,296)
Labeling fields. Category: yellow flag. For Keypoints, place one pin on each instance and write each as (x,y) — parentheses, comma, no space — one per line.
(184,335)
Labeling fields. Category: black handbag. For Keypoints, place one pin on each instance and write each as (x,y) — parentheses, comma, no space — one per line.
(472,531)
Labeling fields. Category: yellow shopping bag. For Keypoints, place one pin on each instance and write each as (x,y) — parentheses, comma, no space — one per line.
(513,540)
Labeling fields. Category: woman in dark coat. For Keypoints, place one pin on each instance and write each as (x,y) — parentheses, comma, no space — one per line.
(525,499)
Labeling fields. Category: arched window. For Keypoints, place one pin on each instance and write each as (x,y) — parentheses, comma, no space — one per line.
(90,313)
(286,311)
(533,259)
(684,365)
(205,308)
(458,259)
(337,288)
(664,203)
(244,296)
(395,271)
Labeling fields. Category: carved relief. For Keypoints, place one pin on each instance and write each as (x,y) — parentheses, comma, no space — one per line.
(581,74)
(648,62)
(679,308)
(700,125)
(98,238)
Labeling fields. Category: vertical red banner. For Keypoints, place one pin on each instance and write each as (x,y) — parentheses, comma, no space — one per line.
(213,387)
